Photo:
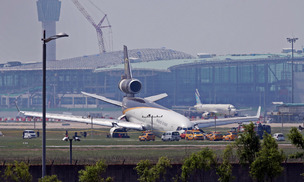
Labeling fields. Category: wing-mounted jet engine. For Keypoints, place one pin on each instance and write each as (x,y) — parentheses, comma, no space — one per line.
(127,84)
(117,132)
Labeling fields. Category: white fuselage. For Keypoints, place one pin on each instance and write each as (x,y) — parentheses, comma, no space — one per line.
(159,120)
(221,109)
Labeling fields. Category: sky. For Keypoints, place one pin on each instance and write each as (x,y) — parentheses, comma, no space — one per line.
(191,26)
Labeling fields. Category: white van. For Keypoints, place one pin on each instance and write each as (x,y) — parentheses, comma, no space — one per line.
(29,134)
(171,136)
(279,137)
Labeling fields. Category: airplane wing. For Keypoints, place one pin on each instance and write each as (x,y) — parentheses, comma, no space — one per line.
(80,119)
(156,97)
(114,102)
(223,121)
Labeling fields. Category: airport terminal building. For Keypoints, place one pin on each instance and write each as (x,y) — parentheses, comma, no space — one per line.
(244,80)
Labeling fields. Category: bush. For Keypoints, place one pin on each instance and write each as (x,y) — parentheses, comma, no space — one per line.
(93,173)
(17,172)
(52,178)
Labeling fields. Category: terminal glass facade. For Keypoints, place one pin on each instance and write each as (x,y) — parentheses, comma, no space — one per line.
(241,83)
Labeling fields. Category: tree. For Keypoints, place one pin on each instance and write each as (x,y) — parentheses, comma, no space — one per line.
(225,169)
(143,170)
(149,173)
(17,172)
(160,168)
(268,161)
(52,178)
(202,160)
(93,173)
(247,144)
(296,139)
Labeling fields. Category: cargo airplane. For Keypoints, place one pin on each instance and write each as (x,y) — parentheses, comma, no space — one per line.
(141,113)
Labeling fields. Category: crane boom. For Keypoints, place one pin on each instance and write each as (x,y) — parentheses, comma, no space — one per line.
(98,26)
(84,12)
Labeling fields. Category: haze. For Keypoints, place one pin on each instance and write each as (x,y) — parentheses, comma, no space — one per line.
(205,26)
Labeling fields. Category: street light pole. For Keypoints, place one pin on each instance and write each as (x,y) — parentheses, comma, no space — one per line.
(43,106)
(45,40)
(292,40)
(71,150)
(215,122)
(214,114)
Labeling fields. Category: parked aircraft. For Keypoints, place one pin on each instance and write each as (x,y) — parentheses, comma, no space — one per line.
(141,113)
(227,110)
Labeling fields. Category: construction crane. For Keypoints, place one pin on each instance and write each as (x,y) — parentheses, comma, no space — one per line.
(98,26)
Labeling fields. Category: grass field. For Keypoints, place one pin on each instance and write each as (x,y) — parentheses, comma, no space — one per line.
(98,146)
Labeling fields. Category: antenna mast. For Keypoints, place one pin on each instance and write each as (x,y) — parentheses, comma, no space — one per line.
(98,26)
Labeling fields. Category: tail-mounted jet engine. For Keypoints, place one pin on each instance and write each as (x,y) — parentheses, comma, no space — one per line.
(130,86)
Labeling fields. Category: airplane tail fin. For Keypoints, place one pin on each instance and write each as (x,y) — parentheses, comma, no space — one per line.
(259,112)
(197,97)
(128,72)
(127,84)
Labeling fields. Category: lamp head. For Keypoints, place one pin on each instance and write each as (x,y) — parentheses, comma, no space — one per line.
(59,35)
(292,40)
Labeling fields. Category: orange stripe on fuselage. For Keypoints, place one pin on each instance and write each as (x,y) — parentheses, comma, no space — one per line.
(132,108)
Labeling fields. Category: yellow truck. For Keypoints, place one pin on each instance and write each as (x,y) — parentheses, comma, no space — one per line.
(230,136)
(194,135)
(147,136)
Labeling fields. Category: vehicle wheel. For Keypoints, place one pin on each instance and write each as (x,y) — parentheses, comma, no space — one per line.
(187,138)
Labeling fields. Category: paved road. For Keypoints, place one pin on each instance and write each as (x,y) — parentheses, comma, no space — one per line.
(153,146)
